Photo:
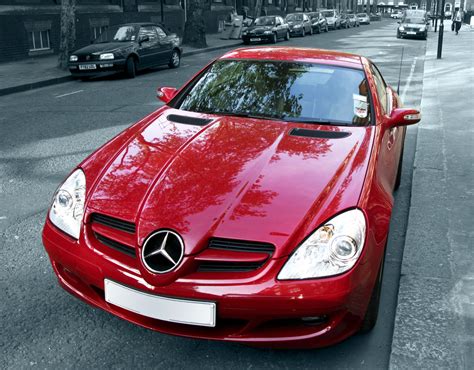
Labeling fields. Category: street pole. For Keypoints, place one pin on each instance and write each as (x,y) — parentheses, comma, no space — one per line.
(436,15)
(441,31)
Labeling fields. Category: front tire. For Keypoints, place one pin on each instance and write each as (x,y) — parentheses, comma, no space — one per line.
(131,67)
(327,28)
(274,38)
(311,31)
(287,36)
(175,59)
(372,312)
(303,33)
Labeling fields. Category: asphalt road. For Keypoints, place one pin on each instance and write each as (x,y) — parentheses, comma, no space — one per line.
(44,133)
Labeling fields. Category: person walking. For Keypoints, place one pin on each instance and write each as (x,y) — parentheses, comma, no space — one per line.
(458,16)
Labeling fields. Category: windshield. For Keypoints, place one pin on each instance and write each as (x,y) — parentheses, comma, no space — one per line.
(117,33)
(291,91)
(294,17)
(328,13)
(362,15)
(414,20)
(264,21)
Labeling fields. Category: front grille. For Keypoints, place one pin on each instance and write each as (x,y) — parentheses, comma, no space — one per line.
(83,58)
(234,256)
(115,223)
(241,246)
(115,245)
(228,266)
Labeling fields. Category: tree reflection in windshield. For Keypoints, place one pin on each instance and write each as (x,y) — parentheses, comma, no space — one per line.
(117,33)
(282,90)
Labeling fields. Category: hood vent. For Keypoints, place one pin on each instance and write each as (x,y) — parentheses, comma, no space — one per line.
(319,133)
(195,121)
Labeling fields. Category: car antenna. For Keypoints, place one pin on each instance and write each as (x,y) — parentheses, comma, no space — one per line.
(400,71)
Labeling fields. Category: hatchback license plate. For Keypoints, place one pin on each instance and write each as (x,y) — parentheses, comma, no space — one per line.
(162,308)
(411,33)
(87,66)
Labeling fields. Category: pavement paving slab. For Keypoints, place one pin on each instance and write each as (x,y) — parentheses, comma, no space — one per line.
(435,314)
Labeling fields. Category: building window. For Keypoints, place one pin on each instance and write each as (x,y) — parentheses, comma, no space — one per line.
(39,40)
(96,31)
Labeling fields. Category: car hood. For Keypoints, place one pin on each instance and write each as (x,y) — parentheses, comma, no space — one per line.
(102,48)
(235,178)
(259,28)
(294,23)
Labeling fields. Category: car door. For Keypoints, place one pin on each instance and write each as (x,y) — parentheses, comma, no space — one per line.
(306,23)
(165,46)
(148,46)
(281,32)
(392,138)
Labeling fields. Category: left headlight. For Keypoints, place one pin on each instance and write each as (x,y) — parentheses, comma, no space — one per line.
(331,250)
(68,204)
(73,58)
(401,28)
(106,56)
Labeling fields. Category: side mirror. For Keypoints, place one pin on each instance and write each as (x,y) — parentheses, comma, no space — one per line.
(165,94)
(404,117)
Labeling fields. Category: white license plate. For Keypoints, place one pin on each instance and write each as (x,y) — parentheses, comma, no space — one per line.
(161,308)
(87,66)
(256,39)
(411,33)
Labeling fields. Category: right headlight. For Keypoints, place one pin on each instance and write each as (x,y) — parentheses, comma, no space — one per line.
(68,204)
(331,250)
(73,58)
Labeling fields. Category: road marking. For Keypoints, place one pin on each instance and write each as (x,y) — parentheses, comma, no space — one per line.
(410,76)
(71,93)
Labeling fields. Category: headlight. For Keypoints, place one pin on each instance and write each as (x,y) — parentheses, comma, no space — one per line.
(401,28)
(73,58)
(297,26)
(331,250)
(422,29)
(267,32)
(68,204)
(106,56)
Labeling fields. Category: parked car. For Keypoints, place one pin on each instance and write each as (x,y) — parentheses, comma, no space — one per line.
(353,20)
(397,15)
(333,18)
(318,21)
(363,18)
(266,29)
(413,27)
(127,48)
(375,17)
(300,24)
(259,196)
(345,22)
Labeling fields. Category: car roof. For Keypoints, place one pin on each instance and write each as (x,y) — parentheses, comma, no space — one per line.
(297,54)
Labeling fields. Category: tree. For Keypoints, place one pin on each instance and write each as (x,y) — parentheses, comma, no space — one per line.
(67,38)
(195,27)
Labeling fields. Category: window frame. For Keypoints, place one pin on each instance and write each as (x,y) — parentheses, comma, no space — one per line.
(40,38)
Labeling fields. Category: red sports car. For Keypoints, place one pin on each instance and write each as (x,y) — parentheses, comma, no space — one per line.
(253,207)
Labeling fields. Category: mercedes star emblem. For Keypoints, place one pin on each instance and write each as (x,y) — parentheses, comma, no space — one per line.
(162,251)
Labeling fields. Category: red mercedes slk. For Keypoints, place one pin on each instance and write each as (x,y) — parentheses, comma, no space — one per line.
(253,207)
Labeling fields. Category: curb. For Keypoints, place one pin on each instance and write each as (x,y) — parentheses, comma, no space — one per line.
(59,80)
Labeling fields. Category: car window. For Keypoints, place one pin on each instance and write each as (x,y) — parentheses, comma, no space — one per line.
(160,32)
(328,13)
(150,32)
(117,34)
(264,21)
(292,91)
(381,88)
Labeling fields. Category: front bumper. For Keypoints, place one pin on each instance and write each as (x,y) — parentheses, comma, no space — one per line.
(101,67)
(259,311)
(257,38)
(414,34)
(296,31)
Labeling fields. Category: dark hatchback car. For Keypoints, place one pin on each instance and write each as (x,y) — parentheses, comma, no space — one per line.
(318,22)
(127,48)
(300,24)
(266,29)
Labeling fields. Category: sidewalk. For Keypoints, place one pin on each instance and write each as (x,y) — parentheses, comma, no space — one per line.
(434,324)
(32,73)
